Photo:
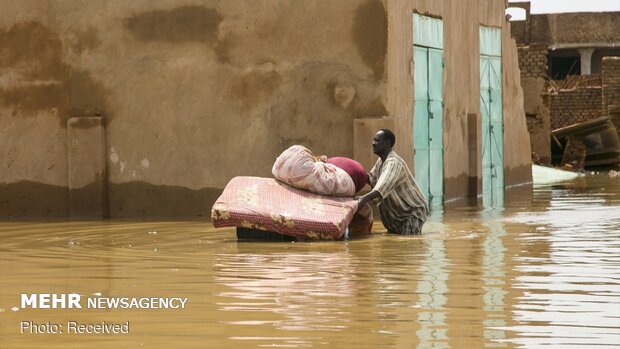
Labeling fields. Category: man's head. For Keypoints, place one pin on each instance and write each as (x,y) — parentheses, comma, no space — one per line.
(383,142)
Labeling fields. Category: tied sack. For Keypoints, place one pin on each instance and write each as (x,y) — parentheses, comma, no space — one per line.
(298,167)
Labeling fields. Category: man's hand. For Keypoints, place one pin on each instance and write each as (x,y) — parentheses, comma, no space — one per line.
(362,200)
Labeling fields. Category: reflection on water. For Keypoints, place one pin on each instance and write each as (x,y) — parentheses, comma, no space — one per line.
(571,278)
(543,272)
(494,279)
(281,285)
(432,289)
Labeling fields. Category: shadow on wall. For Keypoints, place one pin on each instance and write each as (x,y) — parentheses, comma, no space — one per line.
(181,25)
(370,35)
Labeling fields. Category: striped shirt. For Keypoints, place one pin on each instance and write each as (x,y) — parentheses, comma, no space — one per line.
(404,208)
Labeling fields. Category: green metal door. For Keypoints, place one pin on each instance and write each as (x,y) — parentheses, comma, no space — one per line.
(492,121)
(428,107)
(421,146)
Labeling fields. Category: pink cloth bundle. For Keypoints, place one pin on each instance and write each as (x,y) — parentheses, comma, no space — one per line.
(300,168)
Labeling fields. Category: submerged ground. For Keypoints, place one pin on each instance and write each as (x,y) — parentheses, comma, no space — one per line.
(543,272)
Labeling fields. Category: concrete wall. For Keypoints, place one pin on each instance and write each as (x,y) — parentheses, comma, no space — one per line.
(193,92)
(569,28)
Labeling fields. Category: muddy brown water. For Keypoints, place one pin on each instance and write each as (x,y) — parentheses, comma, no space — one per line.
(543,272)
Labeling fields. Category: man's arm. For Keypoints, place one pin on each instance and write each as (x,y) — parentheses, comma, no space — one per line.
(362,200)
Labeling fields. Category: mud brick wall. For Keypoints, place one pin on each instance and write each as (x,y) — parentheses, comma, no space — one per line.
(518,30)
(533,60)
(611,84)
(576,105)
(534,122)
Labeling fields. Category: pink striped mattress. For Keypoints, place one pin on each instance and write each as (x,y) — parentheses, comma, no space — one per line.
(267,204)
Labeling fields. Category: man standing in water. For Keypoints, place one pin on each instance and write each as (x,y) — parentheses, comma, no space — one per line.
(403,207)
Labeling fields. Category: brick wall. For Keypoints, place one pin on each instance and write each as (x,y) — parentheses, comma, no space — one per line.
(576,105)
(533,60)
(611,83)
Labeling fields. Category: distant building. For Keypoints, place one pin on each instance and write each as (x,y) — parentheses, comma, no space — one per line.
(570,70)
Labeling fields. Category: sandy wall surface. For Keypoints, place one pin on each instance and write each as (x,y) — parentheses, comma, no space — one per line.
(192,93)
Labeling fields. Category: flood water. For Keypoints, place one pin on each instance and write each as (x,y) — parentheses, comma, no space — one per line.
(544,272)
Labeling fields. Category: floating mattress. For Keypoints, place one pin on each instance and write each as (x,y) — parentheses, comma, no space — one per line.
(270,205)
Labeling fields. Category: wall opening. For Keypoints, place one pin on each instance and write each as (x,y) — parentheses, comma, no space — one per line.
(563,63)
(597,58)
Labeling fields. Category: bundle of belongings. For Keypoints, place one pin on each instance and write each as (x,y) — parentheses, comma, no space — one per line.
(311,197)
